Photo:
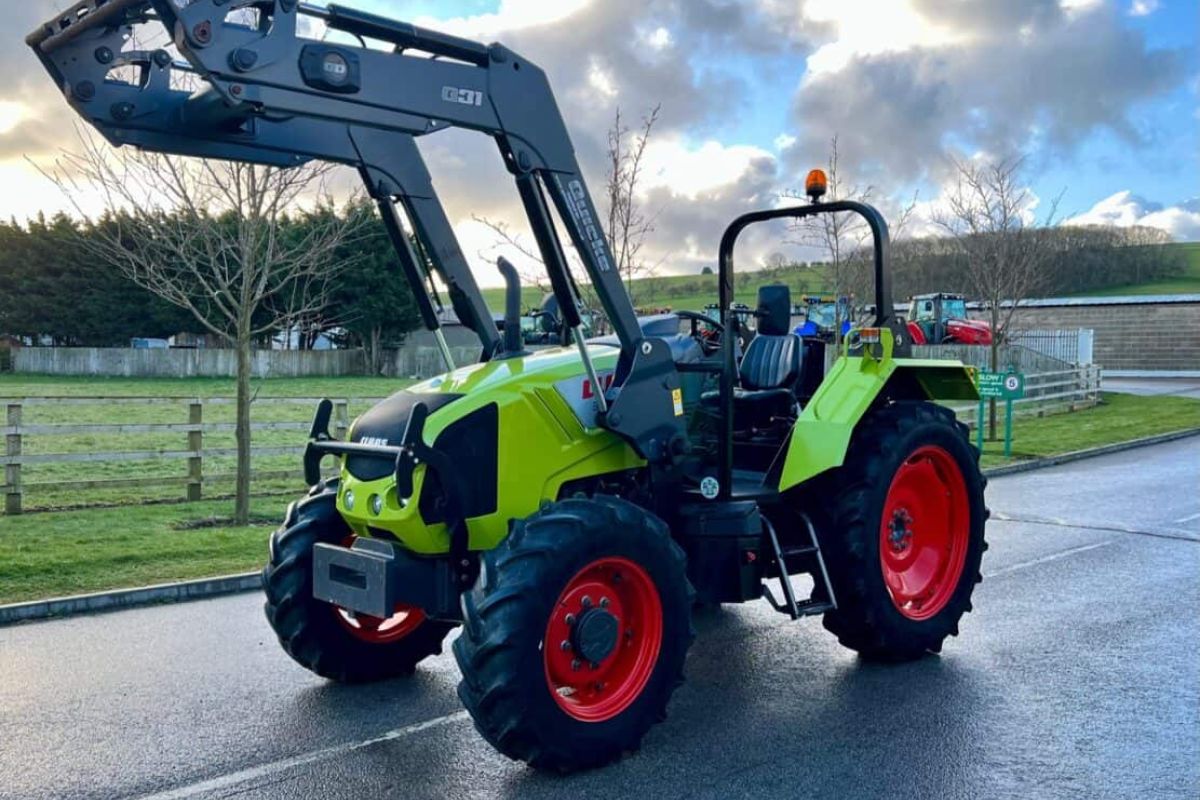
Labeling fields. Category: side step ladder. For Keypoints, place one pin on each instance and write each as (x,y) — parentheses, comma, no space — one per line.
(822,598)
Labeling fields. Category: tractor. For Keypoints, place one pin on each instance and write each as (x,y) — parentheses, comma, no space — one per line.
(823,315)
(562,511)
(941,318)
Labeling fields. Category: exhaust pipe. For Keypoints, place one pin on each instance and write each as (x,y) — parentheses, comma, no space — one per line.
(513,346)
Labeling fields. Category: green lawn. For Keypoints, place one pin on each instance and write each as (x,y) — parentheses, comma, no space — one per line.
(1118,418)
(67,552)
(74,552)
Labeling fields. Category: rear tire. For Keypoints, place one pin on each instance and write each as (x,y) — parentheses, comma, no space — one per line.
(529,680)
(321,637)
(907,532)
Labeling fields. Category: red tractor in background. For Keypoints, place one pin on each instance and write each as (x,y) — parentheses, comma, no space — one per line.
(941,318)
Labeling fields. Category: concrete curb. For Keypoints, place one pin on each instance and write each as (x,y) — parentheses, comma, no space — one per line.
(1079,455)
(252,581)
(129,598)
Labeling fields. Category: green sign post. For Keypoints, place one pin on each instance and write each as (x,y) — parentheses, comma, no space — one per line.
(1006,386)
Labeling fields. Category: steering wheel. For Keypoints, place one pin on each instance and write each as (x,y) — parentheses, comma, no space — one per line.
(705,330)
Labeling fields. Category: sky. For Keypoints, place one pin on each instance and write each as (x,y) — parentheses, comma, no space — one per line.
(1101,97)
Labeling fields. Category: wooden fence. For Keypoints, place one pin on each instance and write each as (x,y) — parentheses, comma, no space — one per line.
(17,431)
(1045,393)
(1054,392)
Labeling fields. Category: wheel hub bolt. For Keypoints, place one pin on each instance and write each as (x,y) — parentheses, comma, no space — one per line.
(569,619)
(576,663)
(586,602)
(900,532)
(565,645)
(604,602)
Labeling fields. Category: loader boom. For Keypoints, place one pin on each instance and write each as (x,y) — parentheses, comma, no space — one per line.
(271,95)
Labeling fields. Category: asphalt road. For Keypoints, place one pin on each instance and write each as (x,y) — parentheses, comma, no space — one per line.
(1078,675)
(1182,387)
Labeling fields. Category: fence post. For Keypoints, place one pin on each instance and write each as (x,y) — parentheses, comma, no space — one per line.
(1087,339)
(341,419)
(12,472)
(195,483)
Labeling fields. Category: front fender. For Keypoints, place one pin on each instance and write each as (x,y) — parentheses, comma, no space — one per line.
(821,436)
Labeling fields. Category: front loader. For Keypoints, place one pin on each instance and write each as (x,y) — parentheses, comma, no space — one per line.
(565,509)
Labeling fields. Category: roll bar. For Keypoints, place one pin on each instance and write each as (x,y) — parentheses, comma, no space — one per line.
(884,315)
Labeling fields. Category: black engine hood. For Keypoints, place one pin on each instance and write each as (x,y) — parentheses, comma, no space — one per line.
(384,424)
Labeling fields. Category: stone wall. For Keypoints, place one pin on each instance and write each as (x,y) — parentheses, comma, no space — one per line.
(1148,334)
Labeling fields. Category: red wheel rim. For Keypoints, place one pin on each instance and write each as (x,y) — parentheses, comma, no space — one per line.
(379,630)
(616,598)
(924,531)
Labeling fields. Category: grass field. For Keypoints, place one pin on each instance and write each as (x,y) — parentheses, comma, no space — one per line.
(1118,418)
(1187,283)
(74,552)
(67,552)
(168,409)
(688,292)
(693,292)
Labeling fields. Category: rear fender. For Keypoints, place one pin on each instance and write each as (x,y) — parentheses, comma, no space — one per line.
(821,436)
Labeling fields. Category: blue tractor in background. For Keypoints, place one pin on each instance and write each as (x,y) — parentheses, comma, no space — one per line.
(822,314)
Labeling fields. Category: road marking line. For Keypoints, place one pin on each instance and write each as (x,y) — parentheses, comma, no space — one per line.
(1168,533)
(1051,557)
(325,754)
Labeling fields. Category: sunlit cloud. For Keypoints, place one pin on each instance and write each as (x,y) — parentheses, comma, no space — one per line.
(11,115)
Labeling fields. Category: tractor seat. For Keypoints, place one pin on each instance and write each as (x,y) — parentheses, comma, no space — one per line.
(770,366)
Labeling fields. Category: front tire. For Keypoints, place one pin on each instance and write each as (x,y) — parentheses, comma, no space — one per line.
(323,638)
(575,634)
(907,532)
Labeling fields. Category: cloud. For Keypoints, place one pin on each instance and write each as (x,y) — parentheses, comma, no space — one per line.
(999,77)
(867,28)
(1143,8)
(692,172)
(904,82)
(1125,208)
(635,54)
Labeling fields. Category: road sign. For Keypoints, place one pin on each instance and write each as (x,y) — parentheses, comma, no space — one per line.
(1002,385)
(1006,386)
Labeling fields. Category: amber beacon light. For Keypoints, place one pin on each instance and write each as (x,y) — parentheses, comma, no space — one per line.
(816,184)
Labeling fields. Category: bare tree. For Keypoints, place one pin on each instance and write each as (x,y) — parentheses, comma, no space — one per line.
(845,237)
(989,215)
(504,238)
(215,238)
(628,223)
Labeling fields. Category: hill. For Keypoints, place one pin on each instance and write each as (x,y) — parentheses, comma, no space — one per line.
(1186,283)
(693,292)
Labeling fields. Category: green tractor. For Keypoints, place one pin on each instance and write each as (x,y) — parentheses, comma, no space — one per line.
(564,510)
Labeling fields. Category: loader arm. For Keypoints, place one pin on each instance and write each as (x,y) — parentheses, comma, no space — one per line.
(271,95)
(153,114)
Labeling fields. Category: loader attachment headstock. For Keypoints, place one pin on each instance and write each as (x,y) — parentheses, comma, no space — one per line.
(245,80)
(152,99)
